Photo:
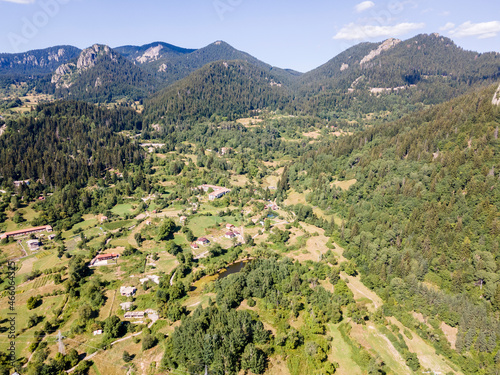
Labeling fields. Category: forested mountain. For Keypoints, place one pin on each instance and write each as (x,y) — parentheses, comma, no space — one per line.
(173,68)
(426,69)
(100,74)
(66,143)
(221,89)
(423,221)
(151,52)
(37,62)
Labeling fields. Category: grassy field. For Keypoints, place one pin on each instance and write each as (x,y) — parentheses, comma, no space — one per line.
(200,224)
(122,209)
(118,224)
(342,354)
(344,185)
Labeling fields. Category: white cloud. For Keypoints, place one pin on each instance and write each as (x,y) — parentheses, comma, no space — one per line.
(482,30)
(360,32)
(20,1)
(448,26)
(365,5)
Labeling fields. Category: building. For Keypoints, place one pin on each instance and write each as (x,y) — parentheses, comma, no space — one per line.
(153,278)
(230,235)
(217,192)
(183,219)
(104,218)
(21,183)
(128,291)
(101,258)
(98,332)
(225,150)
(51,236)
(134,315)
(202,241)
(25,232)
(126,306)
(194,246)
(33,245)
(229,226)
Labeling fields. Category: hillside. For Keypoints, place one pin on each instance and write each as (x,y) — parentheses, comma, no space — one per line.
(426,69)
(222,89)
(422,220)
(37,62)
(100,74)
(151,52)
(66,142)
(178,67)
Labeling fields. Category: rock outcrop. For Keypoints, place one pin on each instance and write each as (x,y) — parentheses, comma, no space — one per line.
(496,97)
(385,46)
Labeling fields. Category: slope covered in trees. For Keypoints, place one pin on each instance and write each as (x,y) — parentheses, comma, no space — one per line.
(422,222)
(225,89)
(102,75)
(427,69)
(67,142)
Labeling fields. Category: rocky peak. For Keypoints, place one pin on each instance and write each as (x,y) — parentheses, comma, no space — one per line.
(385,46)
(89,56)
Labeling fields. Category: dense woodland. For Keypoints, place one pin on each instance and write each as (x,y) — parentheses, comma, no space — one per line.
(424,209)
(67,142)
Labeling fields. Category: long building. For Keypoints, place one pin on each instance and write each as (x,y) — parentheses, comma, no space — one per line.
(25,232)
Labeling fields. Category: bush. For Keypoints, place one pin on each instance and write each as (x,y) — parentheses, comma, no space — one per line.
(148,342)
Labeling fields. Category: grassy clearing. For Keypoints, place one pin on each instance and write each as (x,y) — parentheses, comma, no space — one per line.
(118,224)
(344,185)
(375,342)
(426,353)
(342,353)
(122,209)
(200,224)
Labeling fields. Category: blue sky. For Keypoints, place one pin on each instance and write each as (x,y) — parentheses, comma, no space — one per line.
(286,33)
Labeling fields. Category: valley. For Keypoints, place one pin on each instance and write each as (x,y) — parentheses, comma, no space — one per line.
(166,210)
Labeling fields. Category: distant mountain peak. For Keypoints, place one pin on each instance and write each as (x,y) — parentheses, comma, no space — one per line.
(151,54)
(89,56)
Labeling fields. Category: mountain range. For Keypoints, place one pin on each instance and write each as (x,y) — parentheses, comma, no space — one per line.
(426,69)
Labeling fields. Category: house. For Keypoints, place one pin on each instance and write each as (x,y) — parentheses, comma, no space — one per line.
(101,258)
(104,218)
(127,291)
(194,246)
(229,226)
(134,315)
(202,241)
(230,235)
(51,237)
(98,332)
(33,245)
(21,183)
(41,198)
(217,192)
(183,219)
(126,306)
(225,150)
(24,232)
(153,278)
